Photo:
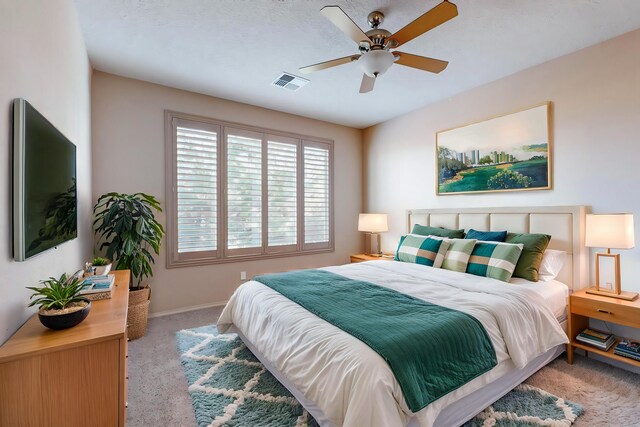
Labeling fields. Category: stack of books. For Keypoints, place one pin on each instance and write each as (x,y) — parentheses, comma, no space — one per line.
(98,287)
(598,339)
(628,348)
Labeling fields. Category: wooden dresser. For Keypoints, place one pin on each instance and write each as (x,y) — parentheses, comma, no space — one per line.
(73,377)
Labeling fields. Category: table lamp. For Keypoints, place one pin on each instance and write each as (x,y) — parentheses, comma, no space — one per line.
(610,231)
(373,224)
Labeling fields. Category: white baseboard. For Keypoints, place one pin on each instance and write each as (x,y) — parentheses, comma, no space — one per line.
(186,309)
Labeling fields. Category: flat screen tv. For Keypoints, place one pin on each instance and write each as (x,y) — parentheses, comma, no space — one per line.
(44,184)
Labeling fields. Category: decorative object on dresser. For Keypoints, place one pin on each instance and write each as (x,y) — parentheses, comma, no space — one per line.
(129,230)
(373,224)
(74,377)
(98,287)
(60,303)
(584,306)
(511,152)
(101,266)
(609,231)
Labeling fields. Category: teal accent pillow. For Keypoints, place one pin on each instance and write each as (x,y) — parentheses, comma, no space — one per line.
(423,230)
(422,250)
(489,236)
(395,258)
(528,266)
(494,259)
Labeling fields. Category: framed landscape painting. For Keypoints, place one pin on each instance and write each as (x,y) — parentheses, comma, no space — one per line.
(506,153)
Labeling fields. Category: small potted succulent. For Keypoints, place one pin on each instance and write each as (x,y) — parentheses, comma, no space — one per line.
(61,305)
(101,266)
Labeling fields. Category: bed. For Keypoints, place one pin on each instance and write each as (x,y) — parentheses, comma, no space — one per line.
(342,381)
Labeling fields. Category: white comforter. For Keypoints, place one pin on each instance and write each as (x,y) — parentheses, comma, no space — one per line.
(350,382)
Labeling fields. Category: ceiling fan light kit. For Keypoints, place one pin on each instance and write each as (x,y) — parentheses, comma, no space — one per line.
(375,45)
(376,62)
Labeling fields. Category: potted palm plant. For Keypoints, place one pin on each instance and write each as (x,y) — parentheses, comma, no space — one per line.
(129,231)
(61,305)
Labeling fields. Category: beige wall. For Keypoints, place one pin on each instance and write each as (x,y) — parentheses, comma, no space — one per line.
(596,100)
(45,62)
(128,156)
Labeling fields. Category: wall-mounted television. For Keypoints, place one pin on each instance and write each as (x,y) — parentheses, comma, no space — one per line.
(44,184)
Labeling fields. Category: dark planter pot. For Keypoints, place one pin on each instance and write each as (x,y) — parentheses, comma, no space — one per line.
(64,321)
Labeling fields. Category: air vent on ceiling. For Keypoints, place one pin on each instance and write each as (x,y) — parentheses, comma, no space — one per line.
(289,81)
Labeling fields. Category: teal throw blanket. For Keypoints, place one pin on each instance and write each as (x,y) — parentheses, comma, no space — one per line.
(431,350)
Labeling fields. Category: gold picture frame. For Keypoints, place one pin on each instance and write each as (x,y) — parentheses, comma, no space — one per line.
(509,152)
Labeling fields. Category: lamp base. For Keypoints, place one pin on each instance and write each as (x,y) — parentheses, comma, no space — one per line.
(627,296)
(372,244)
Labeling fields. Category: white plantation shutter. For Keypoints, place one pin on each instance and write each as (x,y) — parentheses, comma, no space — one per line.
(282,193)
(235,192)
(196,189)
(316,195)
(244,190)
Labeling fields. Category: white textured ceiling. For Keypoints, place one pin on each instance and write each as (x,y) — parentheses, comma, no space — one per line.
(234,49)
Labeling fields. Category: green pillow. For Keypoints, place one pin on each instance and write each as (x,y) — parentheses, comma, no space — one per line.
(457,256)
(437,231)
(422,250)
(534,246)
(494,259)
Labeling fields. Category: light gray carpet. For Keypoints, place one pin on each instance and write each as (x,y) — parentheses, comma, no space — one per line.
(158,393)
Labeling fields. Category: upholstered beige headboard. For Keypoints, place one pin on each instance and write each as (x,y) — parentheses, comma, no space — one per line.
(565,224)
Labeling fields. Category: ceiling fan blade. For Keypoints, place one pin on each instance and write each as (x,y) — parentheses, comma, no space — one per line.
(434,17)
(431,65)
(328,64)
(367,83)
(344,23)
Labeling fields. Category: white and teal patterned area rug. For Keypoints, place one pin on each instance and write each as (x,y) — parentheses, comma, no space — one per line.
(230,387)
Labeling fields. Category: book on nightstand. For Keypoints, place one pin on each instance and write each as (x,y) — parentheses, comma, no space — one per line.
(628,348)
(598,339)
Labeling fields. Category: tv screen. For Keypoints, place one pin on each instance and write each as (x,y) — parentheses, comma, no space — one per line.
(44,192)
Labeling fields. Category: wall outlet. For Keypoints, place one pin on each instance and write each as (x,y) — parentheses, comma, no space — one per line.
(243,275)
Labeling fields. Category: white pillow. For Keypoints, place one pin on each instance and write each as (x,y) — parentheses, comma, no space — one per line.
(551,265)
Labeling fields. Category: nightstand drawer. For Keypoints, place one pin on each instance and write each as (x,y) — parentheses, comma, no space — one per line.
(610,312)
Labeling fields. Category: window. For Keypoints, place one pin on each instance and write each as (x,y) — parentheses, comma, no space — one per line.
(235,192)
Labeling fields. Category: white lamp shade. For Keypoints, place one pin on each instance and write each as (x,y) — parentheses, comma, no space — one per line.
(376,62)
(610,231)
(373,223)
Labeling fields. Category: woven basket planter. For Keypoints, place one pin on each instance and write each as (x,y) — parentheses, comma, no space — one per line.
(138,312)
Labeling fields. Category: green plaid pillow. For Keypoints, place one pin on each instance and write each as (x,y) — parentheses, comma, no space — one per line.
(495,260)
(457,256)
(422,250)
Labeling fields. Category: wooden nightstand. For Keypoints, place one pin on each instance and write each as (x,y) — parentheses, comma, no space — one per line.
(583,306)
(364,257)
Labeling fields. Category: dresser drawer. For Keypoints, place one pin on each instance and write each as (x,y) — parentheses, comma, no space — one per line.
(607,311)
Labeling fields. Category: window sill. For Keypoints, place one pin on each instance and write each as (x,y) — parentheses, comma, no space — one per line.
(242,258)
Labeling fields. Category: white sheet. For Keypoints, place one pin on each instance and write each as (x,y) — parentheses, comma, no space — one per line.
(553,292)
(351,383)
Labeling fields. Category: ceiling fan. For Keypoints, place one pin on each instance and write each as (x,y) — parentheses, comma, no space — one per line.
(376,44)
